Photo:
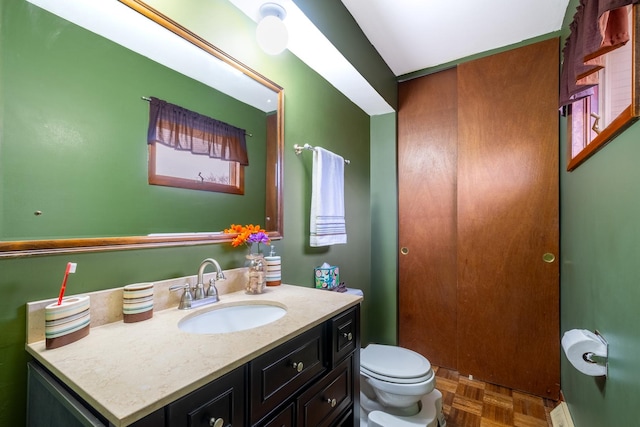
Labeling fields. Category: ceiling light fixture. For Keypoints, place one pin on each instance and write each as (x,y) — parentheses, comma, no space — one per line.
(271,32)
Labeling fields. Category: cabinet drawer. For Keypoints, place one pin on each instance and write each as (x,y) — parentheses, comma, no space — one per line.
(325,401)
(286,418)
(280,373)
(344,332)
(347,420)
(221,399)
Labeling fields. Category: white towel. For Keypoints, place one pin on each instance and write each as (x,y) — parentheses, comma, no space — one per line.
(327,199)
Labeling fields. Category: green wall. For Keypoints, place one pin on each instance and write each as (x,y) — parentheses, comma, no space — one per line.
(315,112)
(600,274)
(600,277)
(382,293)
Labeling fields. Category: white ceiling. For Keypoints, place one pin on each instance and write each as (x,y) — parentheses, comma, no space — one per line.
(411,35)
(314,49)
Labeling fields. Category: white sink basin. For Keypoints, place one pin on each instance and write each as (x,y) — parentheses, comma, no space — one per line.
(231,319)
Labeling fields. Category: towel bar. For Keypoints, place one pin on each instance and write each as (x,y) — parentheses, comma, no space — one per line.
(298,149)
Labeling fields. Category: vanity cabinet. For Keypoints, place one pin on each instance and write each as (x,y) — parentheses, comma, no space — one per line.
(52,403)
(311,380)
(286,417)
(326,400)
(217,404)
(344,336)
(280,373)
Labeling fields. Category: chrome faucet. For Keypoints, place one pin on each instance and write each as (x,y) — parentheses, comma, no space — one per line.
(196,296)
(212,291)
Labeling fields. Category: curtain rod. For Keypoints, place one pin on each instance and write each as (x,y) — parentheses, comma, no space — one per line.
(298,149)
(146,98)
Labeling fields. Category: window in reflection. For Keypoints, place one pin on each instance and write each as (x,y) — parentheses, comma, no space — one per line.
(607,107)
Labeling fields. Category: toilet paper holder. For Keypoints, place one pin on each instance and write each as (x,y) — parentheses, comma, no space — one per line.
(591,357)
(587,351)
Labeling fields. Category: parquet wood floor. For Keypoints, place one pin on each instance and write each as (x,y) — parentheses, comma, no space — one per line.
(472,403)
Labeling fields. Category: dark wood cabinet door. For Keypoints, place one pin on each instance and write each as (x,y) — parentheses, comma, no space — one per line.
(282,372)
(222,399)
(325,401)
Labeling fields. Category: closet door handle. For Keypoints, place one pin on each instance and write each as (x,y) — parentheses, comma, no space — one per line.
(548,257)
(404,250)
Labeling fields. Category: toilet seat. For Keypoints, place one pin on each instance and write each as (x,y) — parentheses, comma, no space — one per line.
(395,380)
(394,364)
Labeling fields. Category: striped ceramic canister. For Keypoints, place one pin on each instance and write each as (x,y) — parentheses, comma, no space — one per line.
(67,322)
(137,302)
(273,264)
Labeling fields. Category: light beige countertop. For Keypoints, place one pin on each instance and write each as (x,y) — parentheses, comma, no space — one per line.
(128,370)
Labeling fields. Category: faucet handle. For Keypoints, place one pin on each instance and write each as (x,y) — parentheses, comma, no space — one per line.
(175,288)
(187,296)
(199,291)
(212,291)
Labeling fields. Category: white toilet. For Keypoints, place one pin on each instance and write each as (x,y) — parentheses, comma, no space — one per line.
(397,389)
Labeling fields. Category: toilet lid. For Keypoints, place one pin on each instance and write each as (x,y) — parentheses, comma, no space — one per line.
(394,362)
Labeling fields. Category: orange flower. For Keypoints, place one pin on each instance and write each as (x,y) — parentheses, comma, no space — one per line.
(247,234)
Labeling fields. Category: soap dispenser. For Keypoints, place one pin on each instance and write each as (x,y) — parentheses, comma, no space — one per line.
(273,263)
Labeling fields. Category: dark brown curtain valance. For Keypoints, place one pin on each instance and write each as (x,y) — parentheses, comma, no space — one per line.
(598,27)
(183,129)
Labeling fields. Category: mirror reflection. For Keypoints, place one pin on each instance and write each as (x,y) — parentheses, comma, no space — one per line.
(77,133)
(609,101)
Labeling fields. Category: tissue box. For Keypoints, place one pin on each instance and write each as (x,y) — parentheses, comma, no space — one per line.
(327,277)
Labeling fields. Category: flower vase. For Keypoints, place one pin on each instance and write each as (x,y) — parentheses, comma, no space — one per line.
(256,277)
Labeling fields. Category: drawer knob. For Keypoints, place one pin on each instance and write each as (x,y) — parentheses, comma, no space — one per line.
(216,422)
(299,366)
(332,402)
(348,336)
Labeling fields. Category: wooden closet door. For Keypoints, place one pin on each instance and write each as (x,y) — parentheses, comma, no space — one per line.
(427,140)
(508,296)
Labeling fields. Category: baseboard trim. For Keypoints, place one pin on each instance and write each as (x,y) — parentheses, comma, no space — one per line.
(560,416)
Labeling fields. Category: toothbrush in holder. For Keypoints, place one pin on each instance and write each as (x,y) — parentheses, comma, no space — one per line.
(71,268)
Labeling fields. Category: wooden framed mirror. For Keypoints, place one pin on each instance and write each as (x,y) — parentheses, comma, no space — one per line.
(31,207)
(614,102)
